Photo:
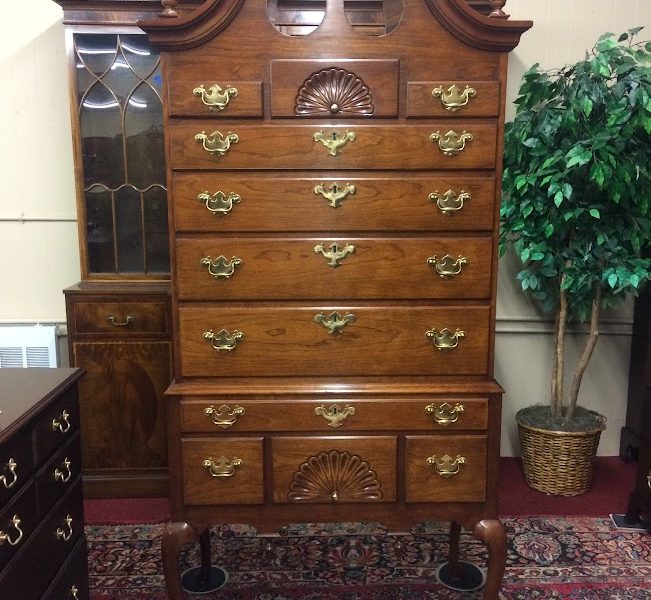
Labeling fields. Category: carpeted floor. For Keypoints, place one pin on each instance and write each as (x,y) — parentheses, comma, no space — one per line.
(569,558)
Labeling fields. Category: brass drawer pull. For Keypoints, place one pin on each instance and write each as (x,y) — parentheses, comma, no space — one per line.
(449,202)
(444,339)
(336,141)
(445,414)
(336,194)
(446,466)
(223,340)
(454,97)
(11,467)
(223,468)
(224,416)
(219,203)
(62,423)
(215,98)
(4,537)
(61,532)
(221,267)
(216,143)
(335,254)
(452,142)
(335,415)
(335,322)
(112,320)
(73,592)
(446,266)
(59,474)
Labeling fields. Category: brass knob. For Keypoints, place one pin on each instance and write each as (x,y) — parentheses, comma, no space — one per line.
(221,267)
(62,423)
(449,202)
(223,340)
(336,194)
(12,465)
(216,143)
(445,414)
(59,473)
(61,532)
(224,416)
(446,466)
(446,266)
(5,537)
(336,141)
(215,98)
(454,98)
(452,142)
(335,254)
(335,415)
(219,203)
(222,468)
(445,339)
(335,322)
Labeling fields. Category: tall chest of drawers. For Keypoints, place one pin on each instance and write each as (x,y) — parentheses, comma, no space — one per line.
(334,216)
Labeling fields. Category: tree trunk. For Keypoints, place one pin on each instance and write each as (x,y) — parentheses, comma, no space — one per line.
(560,351)
(555,402)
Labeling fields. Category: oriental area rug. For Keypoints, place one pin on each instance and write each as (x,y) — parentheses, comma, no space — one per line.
(575,558)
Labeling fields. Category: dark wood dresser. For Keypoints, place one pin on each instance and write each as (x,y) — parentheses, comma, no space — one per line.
(42,543)
(334,201)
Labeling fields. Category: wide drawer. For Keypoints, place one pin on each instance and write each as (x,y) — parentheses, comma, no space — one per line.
(223,471)
(234,268)
(71,583)
(58,474)
(280,340)
(205,201)
(56,425)
(121,318)
(334,469)
(18,520)
(312,146)
(210,98)
(453,98)
(16,464)
(308,414)
(448,468)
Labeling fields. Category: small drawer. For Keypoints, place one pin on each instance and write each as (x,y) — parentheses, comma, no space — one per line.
(18,521)
(340,470)
(121,318)
(445,468)
(58,474)
(16,464)
(210,98)
(71,583)
(59,423)
(351,414)
(453,98)
(223,471)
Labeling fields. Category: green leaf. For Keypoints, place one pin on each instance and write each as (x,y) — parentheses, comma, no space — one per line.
(549,230)
(612,280)
(520,182)
(622,37)
(524,255)
(600,239)
(567,190)
(558,199)
(586,106)
(635,280)
(594,212)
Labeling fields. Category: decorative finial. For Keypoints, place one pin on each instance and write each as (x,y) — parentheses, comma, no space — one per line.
(168,9)
(497,12)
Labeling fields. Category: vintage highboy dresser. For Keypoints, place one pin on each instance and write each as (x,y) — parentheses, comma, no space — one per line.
(42,543)
(334,208)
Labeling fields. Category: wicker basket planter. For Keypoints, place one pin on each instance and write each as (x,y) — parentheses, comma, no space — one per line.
(559,462)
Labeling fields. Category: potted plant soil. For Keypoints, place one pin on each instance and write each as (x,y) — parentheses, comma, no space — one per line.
(575,209)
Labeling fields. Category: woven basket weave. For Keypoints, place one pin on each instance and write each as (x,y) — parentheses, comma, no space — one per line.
(559,462)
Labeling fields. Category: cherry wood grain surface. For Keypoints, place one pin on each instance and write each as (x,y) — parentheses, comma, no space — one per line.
(421,103)
(183,102)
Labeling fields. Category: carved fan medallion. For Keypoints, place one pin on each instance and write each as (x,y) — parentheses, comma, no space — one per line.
(335,477)
(333,91)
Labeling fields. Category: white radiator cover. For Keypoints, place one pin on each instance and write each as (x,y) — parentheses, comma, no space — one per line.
(28,346)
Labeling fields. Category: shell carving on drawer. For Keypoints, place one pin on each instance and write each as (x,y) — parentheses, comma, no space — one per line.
(333,91)
(334,477)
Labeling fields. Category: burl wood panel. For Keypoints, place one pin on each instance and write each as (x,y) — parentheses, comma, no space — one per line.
(424,484)
(421,102)
(293,146)
(285,340)
(120,318)
(247,102)
(381,202)
(299,415)
(245,486)
(376,268)
(340,473)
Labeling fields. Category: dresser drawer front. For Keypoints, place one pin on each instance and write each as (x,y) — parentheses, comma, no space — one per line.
(280,340)
(314,268)
(220,415)
(18,520)
(327,470)
(121,318)
(56,425)
(445,468)
(223,471)
(73,576)
(465,99)
(58,475)
(230,99)
(16,464)
(385,202)
(294,147)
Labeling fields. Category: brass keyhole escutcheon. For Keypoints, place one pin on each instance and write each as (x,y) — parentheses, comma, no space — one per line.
(336,141)
(335,322)
(336,194)
(335,254)
(334,414)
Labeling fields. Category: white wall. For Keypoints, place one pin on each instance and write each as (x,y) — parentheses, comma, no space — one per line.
(40,258)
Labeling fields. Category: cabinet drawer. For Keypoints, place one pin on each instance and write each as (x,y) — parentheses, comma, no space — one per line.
(282,340)
(18,520)
(220,415)
(223,471)
(58,474)
(382,202)
(210,98)
(121,318)
(238,268)
(71,583)
(445,468)
(334,469)
(295,147)
(59,423)
(453,98)
(16,464)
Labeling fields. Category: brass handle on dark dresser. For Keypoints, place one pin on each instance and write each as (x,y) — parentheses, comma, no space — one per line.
(61,533)
(219,203)
(452,142)
(449,202)
(4,537)
(223,468)
(336,141)
(11,467)
(221,267)
(648,480)
(62,423)
(115,323)
(445,414)
(73,592)
(215,98)
(336,194)
(336,253)
(335,322)
(59,474)
(335,415)
(224,416)
(454,97)
(445,339)
(216,143)
(223,340)
(446,266)
(446,466)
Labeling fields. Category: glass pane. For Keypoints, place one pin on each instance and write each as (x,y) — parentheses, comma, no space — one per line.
(139,54)
(296,18)
(373,17)
(97,52)
(156,232)
(99,230)
(128,225)
(156,81)
(121,80)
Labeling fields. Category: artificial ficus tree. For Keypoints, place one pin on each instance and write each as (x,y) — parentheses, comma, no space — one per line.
(577,191)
